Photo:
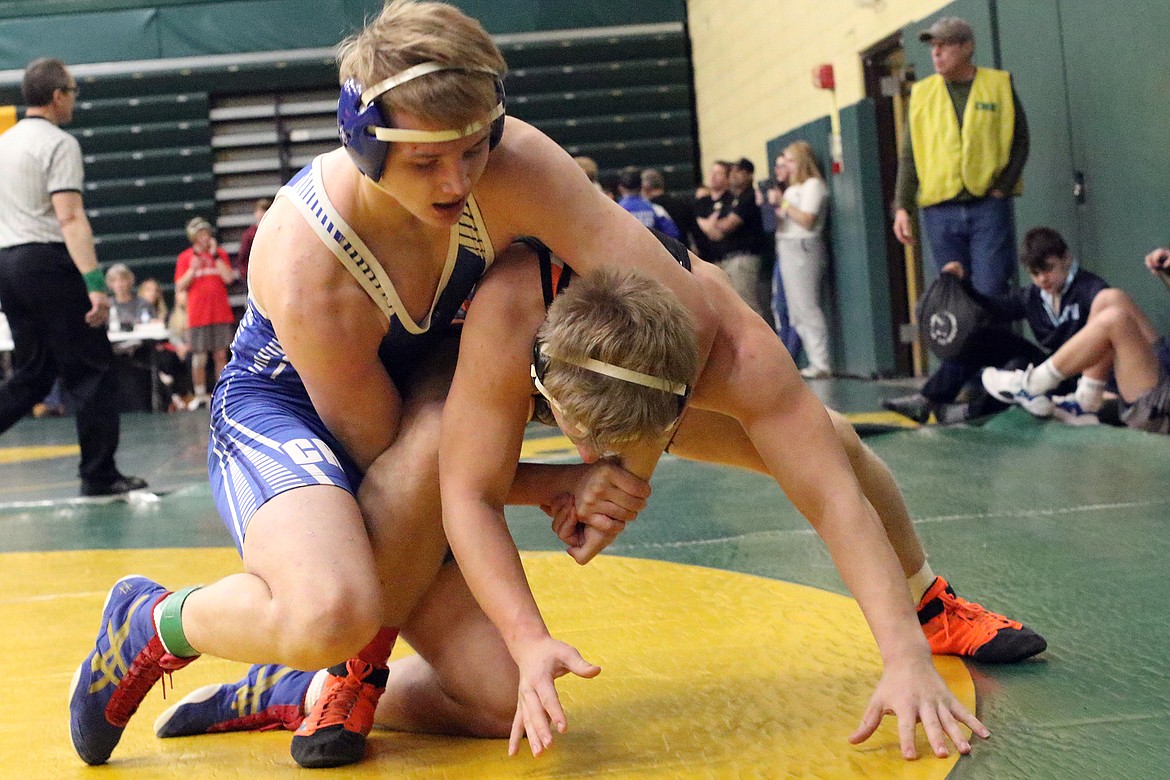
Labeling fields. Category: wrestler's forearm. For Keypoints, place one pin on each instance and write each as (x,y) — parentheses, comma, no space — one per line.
(490,563)
(536,484)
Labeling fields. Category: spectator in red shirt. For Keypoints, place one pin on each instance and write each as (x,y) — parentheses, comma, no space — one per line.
(204,271)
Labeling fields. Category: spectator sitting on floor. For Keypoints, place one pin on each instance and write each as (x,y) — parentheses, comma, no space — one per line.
(1117,339)
(649,214)
(1056,305)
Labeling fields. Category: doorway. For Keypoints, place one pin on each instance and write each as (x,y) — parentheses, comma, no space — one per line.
(888,79)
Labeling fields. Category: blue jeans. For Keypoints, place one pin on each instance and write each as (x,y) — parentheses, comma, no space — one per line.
(980,234)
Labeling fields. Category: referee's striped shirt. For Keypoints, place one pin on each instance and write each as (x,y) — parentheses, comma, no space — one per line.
(37,159)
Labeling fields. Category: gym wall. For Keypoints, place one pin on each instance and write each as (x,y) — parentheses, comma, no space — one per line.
(753,62)
(86,31)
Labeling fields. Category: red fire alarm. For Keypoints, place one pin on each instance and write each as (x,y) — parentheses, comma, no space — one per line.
(822,77)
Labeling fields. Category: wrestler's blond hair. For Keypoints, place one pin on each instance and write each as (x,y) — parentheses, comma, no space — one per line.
(629,320)
(410,32)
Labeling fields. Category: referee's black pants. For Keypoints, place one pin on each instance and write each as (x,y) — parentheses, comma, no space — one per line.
(45,300)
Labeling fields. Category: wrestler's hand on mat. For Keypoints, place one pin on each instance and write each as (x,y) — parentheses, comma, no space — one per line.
(538,708)
(912,691)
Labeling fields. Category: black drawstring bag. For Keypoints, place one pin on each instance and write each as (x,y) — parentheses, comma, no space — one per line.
(948,317)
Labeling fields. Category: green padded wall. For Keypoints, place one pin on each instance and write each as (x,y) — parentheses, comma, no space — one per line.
(1119,114)
(87,31)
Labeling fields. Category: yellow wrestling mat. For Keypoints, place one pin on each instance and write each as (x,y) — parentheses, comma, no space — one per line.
(705,673)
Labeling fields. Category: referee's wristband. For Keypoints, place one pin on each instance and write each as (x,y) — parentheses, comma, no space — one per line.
(95,280)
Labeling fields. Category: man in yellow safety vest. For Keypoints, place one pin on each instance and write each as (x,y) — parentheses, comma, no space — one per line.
(961,161)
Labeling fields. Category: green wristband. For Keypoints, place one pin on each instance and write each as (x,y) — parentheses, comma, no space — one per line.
(170,624)
(95,280)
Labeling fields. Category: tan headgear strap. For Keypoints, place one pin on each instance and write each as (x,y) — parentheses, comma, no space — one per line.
(425,136)
(624,374)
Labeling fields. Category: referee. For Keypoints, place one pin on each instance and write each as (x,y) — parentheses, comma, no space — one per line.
(51,288)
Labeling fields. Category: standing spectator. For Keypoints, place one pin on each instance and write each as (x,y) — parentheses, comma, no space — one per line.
(736,229)
(800,245)
(707,202)
(963,157)
(51,288)
(238,289)
(680,210)
(780,321)
(203,271)
(649,214)
(259,209)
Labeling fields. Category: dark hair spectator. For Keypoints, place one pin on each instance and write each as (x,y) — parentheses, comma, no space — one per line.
(1040,244)
(631,179)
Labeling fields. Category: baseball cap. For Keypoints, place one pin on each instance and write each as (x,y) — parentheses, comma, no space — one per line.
(948,29)
(745,165)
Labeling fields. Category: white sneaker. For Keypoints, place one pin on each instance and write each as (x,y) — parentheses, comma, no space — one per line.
(1008,386)
(1066,409)
(808,372)
(197,401)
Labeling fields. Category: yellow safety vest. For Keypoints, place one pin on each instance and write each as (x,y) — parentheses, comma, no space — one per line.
(7,117)
(950,159)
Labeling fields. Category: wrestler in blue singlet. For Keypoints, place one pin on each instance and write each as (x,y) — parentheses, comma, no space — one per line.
(266,437)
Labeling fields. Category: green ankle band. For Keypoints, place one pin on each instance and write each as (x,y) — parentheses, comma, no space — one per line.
(170,624)
(95,280)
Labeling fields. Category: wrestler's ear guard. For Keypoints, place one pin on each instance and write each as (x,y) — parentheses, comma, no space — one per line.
(354,128)
(357,124)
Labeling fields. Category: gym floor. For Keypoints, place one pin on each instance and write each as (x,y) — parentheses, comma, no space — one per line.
(717,618)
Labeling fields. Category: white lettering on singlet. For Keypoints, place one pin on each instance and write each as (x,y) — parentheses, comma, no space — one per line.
(305,452)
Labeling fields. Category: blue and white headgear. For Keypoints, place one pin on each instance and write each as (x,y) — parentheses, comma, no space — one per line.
(366,134)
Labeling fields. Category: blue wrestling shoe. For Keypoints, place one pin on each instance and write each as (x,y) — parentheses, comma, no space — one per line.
(127,660)
(269,697)
(1069,411)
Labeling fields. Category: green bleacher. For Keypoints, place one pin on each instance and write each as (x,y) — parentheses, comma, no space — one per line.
(167,140)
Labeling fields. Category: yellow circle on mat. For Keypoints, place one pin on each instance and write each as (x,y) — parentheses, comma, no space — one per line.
(705,672)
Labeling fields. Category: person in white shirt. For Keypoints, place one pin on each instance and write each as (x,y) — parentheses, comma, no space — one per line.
(800,247)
